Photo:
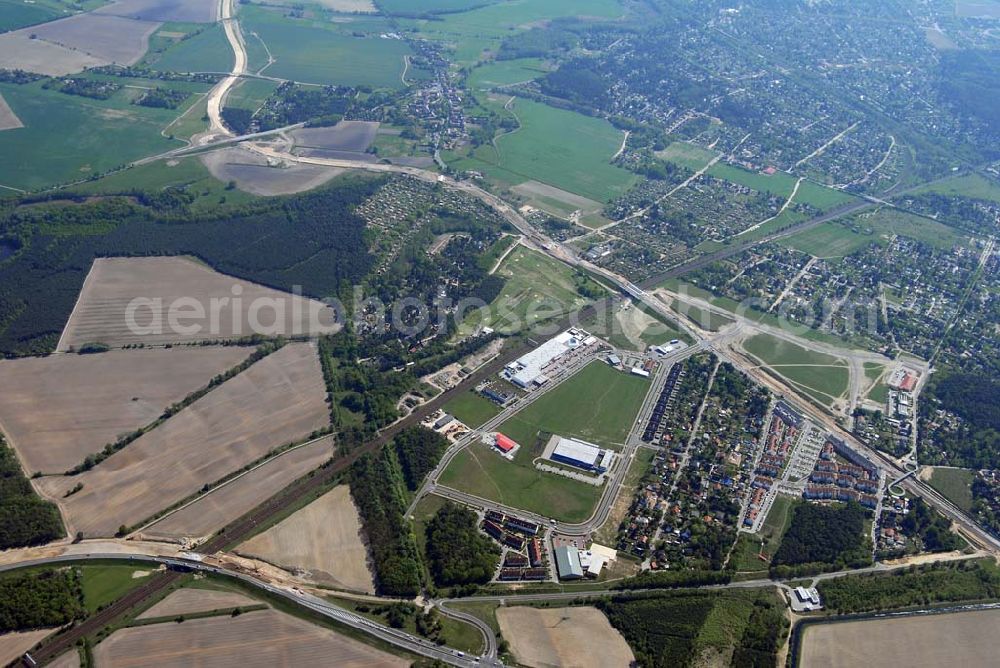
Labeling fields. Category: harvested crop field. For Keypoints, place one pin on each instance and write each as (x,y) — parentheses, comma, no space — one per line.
(70,659)
(183,11)
(323,538)
(69,406)
(279,400)
(347,137)
(923,641)
(259,639)
(190,600)
(577,636)
(13,645)
(164,283)
(109,38)
(19,52)
(8,119)
(251,173)
(215,510)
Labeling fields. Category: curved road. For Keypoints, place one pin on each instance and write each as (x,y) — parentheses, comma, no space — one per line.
(217,96)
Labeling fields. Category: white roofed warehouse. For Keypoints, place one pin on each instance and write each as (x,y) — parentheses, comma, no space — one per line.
(581,454)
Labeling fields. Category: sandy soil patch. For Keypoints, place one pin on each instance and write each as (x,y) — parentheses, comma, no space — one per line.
(252,173)
(323,538)
(102,312)
(190,600)
(183,11)
(69,406)
(279,400)
(110,38)
(635,322)
(213,511)
(19,52)
(8,119)
(13,645)
(955,639)
(260,639)
(578,636)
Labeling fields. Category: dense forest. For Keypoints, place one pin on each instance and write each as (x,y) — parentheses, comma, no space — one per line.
(931,527)
(25,519)
(824,537)
(40,599)
(684,628)
(928,584)
(377,488)
(974,442)
(419,450)
(457,552)
(314,240)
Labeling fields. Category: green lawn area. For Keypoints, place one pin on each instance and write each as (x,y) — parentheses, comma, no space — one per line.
(312,52)
(825,375)
(505,72)
(104,584)
(954,484)
(250,94)
(879,393)
(538,289)
(472,409)
(67,137)
(745,556)
(873,370)
(687,155)
(207,51)
(598,404)
(831,240)
(480,470)
(975,186)
(892,221)
(561,148)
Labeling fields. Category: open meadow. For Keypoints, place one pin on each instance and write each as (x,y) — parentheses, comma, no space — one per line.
(234,499)
(279,400)
(598,404)
(560,148)
(259,639)
(324,538)
(922,641)
(69,406)
(102,311)
(577,636)
(821,376)
(190,600)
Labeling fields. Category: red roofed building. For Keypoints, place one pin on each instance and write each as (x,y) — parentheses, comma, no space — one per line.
(908,383)
(505,444)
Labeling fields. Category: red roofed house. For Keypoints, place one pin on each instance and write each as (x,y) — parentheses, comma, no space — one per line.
(505,444)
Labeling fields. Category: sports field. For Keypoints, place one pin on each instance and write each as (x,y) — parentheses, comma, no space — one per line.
(307,52)
(598,404)
(822,376)
(472,409)
(556,147)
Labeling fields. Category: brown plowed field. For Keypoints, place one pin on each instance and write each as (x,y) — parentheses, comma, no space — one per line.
(102,311)
(190,600)
(576,636)
(69,406)
(8,119)
(279,400)
(323,538)
(213,511)
(13,645)
(927,641)
(253,640)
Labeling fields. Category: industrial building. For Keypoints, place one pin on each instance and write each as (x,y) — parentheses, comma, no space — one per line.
(580,454)
(527,370)
(568,563)
(506,445)
(805,600)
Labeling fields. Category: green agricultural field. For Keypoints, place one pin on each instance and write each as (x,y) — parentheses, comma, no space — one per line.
(480,470)
(888,222)
(472,409)
(538,289)
(313,53)
(974,186)
(206,51)
(16,14)
(68,138)
(557,147)
(954,484)
(816,373)
(505,73)
(250,94)
(598,404)
(831,240)
(104,584)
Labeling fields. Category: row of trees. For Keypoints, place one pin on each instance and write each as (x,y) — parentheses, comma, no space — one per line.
(419,450)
